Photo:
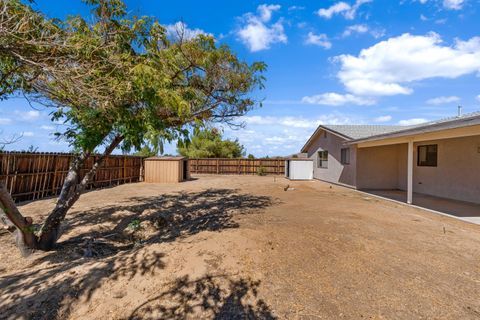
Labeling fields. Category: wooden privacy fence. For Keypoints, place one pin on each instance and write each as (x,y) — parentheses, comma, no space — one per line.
(237,166)
(31,176)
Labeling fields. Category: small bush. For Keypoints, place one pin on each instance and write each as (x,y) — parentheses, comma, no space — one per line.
(262,171)
(134,225)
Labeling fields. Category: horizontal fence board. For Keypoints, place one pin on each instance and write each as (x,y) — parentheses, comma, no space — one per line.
(32,176)
(237,166)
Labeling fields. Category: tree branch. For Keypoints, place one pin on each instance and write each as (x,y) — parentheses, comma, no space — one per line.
(10,210)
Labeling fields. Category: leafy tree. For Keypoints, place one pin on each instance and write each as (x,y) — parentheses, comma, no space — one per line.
(208,143)
(116,82)
(146,151)
(251,156)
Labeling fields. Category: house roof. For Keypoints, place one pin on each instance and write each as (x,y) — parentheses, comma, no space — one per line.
(352,132)
(466,120)
(361,133)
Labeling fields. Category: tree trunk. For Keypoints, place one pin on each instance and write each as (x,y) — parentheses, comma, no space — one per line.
(71,191)
(22,228)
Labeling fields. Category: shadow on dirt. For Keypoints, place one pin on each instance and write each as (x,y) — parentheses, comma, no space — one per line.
(211,297)
(112,248)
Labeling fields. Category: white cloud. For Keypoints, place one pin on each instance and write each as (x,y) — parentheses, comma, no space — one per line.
(282,135)
(293,8)
(343,8)
(478,98)
(357,28)
(389,66)
(336,8)
(362,29)
(336,99)
(293,122)
(383,119)
(296,122)
(180,29)
(4,121)
(258,33)
(28,134)
(449,4)
(412,122)
(44,127)
(377,33)
(453,4)
(318,40)
(29,115)
(443,100)
(265,11)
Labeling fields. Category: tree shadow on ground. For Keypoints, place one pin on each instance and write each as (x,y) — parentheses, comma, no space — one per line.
(167,217)
(210,297)
(108,248)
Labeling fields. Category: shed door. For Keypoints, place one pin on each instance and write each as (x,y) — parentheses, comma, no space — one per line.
(185,170)
(301,170)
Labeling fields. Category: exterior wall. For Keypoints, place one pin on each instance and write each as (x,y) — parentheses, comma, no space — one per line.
(163,171)
(457,175)
(300,170)
(402,166)
(336,171)
(378,167)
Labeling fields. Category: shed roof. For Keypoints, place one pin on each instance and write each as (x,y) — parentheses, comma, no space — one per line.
(166,158)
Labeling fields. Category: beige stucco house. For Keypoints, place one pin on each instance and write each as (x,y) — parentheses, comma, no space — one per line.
(440,158)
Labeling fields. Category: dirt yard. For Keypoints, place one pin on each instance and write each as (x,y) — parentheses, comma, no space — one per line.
(243,248)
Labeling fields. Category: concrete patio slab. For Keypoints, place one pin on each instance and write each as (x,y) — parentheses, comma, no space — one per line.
(466,211)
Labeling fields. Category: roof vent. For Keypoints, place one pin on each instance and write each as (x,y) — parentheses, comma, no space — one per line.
(460,108)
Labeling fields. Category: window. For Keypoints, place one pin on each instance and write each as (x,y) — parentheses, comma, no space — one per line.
(345,156)
(322,159)
(427,156)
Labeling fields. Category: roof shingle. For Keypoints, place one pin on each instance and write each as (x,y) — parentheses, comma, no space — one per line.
(362,131)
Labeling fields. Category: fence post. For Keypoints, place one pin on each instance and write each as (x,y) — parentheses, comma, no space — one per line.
(124,169)
(141,176)
(218,166)
(55,169)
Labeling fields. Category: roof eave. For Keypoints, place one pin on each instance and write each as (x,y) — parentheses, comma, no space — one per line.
(322,127)
(457,123)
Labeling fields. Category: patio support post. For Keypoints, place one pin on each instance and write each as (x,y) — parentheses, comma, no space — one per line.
(410,173)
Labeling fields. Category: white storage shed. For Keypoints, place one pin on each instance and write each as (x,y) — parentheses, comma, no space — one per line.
(299,169)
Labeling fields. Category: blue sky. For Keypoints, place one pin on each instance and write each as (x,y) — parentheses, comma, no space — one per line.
(331,62)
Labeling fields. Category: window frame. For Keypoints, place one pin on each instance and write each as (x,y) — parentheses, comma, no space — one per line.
(345,157)
(428,162)
(322,158)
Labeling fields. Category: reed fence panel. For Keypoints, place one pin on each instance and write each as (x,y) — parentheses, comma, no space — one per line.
(32,176)
(237,166)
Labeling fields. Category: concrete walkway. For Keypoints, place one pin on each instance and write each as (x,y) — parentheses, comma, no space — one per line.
(466,211)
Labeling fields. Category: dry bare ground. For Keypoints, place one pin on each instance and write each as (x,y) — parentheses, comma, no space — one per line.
(232,247)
